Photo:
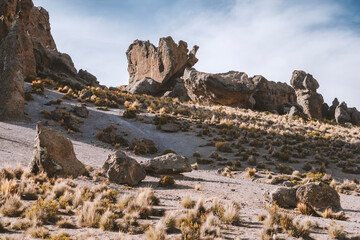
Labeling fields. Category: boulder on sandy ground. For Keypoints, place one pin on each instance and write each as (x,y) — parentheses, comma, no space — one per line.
(284,197)
(54,154)
(342,114)
(170,127)
(81,111)
(305,86)
(159,63)
(88,77)
(122,169)
(168,164)
(144,86)
(319,196)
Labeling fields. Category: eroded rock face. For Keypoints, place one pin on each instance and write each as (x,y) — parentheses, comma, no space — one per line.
(144,86)
(319,197)
(54,154)
(122,169)
(16,56)
(271,95)
(342,114)
(28,48)
(305,86)
(231,89)
(159,63)
(168,164)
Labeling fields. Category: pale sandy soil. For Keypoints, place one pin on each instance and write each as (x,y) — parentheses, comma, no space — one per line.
(16,143)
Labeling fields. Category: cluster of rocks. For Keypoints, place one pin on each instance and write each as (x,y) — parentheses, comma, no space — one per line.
(317,196)
(54,154)
(167,71)
(27,48)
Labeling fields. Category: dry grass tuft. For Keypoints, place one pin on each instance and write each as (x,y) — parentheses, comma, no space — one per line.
(156,233)
(63,223)
(88,216)
(43,211)
(336,231)
(187,202)
(328,213)
(38,232)
(12,206)
(107,221)
(304,209)
(251,172)
(231,214)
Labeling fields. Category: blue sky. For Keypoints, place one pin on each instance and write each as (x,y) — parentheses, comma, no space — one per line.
(267,37)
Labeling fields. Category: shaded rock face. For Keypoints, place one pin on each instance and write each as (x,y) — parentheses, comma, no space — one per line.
(305,86)
(270,95)
(168,164)
(81,111)
(232,88)
(122,169)
(159,63)
(54,154)
(144,86)
(27,48)
(319,197)
(179,91)
(237,89)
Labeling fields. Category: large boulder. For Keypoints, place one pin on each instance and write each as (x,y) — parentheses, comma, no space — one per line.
(168,164)
(54,154)
(231,88)
(122,169)
(319,196)
(160,63)
(342,114)
(305,86)
(284,197)
(178,91)
(144,86)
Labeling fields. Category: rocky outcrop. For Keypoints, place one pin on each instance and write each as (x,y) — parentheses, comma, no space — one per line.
(122,169)
(168,164)
(231,88)
(179,91)
(237,89)
(54,154)
(17,58)
(270,96)
(343,114)
(28,48)
(160,63)
(305,86)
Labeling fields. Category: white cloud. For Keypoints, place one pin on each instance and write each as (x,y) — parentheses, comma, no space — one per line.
(271,38)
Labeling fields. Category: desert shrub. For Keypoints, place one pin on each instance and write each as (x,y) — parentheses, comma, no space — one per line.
(285,169)
(88,215)
(130,112)
(187,202)
(38,232)
(223,147)
(63,223)
(155,233)
(167,181)
(336,231)
(43,211)
(12,206)
(251,172)
(107,221)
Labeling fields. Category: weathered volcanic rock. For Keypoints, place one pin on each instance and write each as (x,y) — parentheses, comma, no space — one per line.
(319,196)
(342,114)
(27,48)
(179,91)
(271,95)
(232,88)
(16,56)
(54,154)
(81,111)
(305,86)
(122,169)
(168,164)
(159,63)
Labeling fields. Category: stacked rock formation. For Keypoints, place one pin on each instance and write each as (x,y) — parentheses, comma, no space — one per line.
(160,64)
(305,86)
(28,48)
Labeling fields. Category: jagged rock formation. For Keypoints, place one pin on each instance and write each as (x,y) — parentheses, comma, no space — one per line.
(343,114)
(305,86)
(28,48)
(54,154)
(159,63)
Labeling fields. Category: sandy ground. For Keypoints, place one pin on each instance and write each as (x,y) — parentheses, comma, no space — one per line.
(16,146)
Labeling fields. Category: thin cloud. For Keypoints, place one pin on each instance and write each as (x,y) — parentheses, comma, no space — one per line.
(271,38)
